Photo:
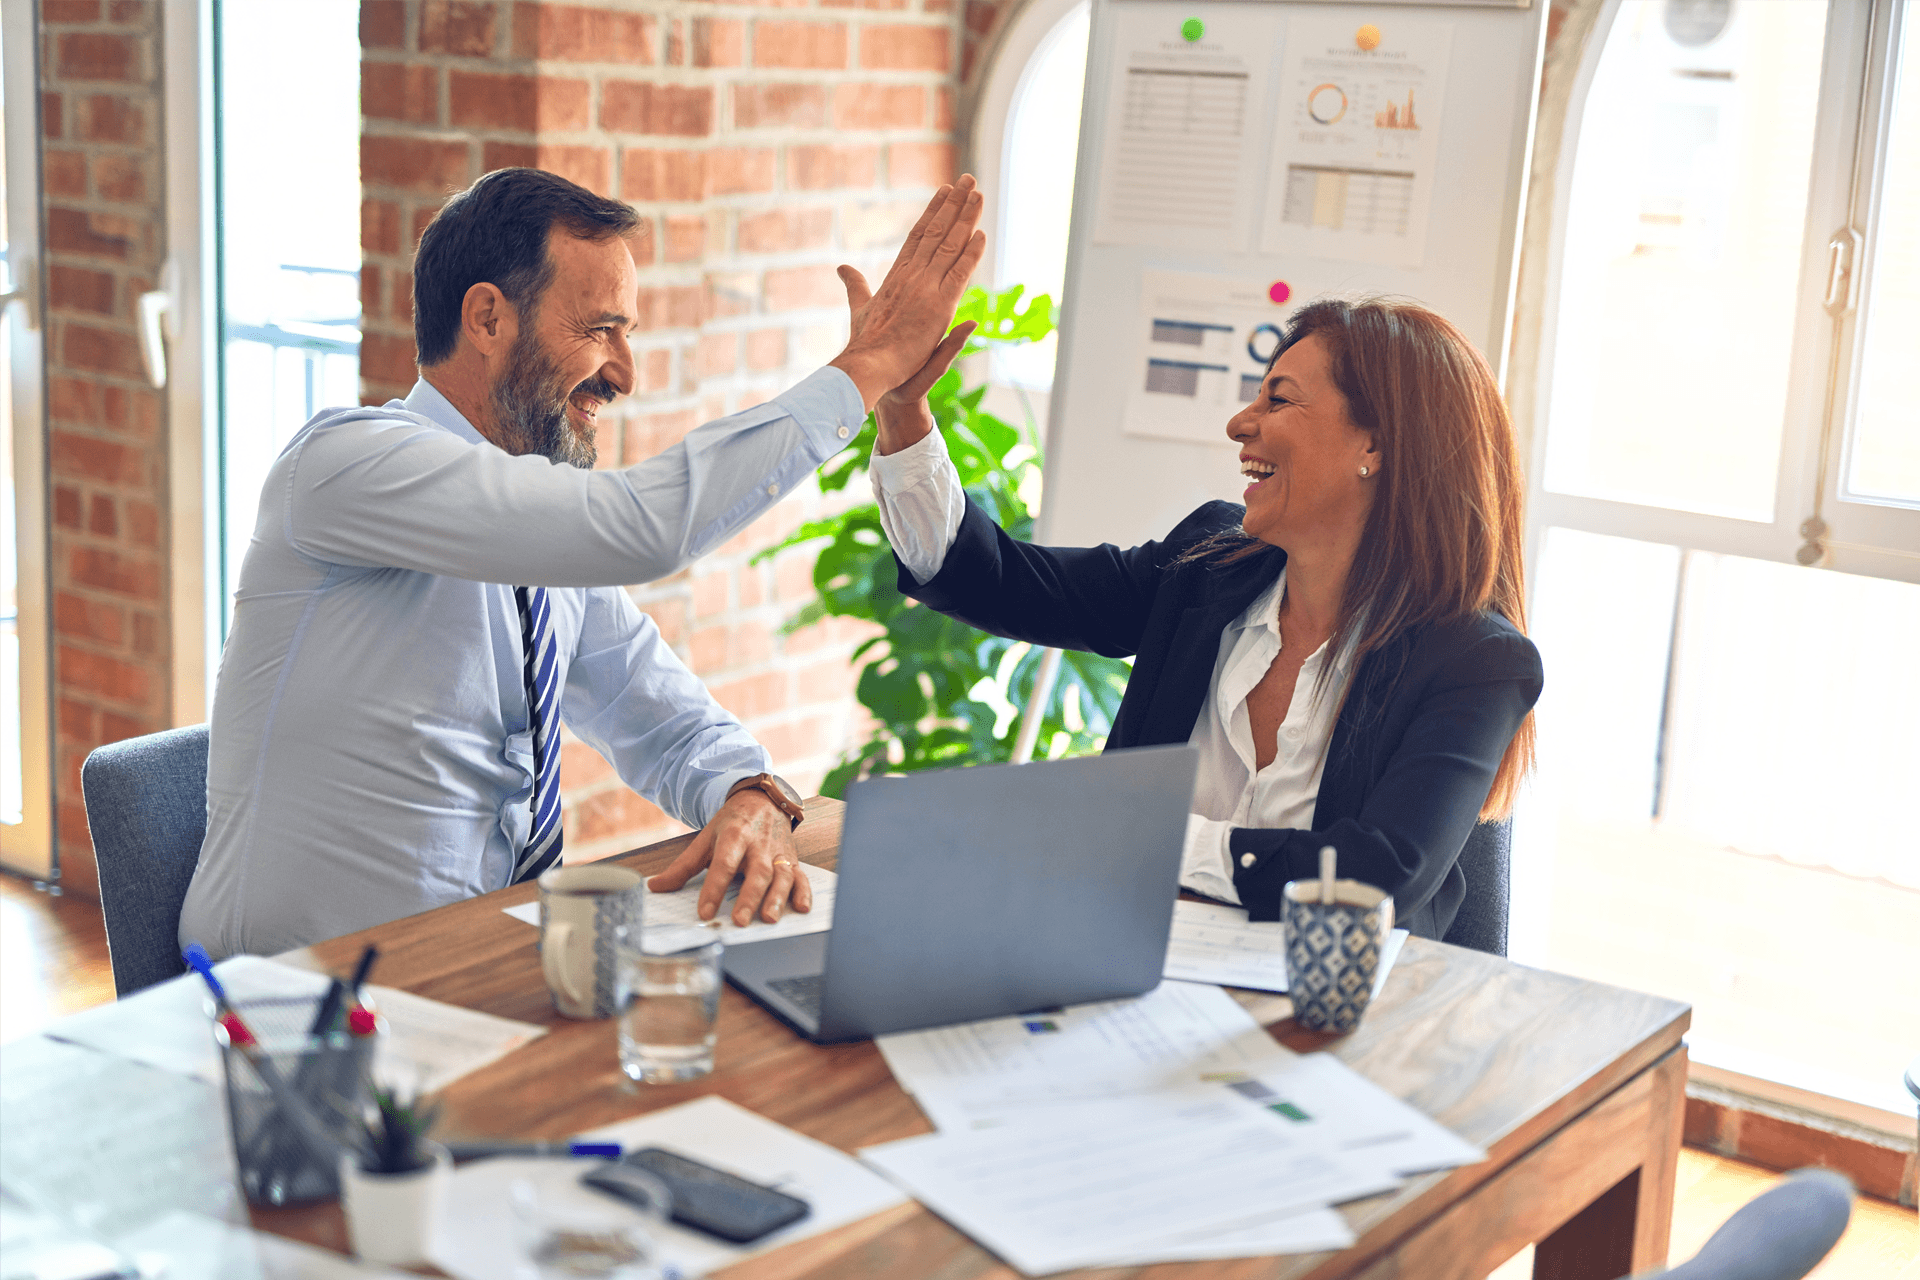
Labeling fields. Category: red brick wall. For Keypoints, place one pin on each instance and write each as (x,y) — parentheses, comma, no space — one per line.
(764,145)
(106,426)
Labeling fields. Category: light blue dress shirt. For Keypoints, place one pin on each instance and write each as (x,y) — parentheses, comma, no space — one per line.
(371,756)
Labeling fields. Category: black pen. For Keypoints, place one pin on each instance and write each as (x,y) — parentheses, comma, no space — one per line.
(329,1011)
(360,970)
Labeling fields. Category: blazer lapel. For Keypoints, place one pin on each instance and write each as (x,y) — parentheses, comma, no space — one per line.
(1180,693)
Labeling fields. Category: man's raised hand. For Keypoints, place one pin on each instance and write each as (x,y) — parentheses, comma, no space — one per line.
(896,328)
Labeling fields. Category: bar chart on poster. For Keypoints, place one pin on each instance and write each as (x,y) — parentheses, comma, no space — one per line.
(1239,159)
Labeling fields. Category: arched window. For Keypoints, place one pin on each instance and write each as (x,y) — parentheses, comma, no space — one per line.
(1726,736)
(1027,132)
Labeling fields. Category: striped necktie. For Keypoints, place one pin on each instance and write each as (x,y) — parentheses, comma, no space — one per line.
(543,712)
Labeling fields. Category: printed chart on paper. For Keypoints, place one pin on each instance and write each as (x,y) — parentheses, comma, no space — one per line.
(1356,138)
(1204,345)
(1185,128)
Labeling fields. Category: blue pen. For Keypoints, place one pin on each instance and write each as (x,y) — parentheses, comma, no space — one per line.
(201,963)
(484,1150)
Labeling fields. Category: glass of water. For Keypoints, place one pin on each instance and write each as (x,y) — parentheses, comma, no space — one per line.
(669,999)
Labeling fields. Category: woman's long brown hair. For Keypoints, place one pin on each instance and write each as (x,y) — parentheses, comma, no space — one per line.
(1443,540)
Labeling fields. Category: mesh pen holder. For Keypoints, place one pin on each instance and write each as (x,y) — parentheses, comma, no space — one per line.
(296,1100)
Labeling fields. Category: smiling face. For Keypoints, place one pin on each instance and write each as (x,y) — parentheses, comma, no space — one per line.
(569,358)
(1302,454)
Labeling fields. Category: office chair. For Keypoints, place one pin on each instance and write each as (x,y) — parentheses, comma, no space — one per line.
(1780,1234)
(1487,862)
(147,811)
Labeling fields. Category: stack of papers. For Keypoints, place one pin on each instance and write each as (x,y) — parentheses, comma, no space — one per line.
(1216,943)
(682,906)
(429,1044)
(1169,1127)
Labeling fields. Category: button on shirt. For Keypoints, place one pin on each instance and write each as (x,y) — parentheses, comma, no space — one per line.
(371,754)
(921,504)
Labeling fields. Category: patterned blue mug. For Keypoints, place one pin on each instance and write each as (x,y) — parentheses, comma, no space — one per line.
(583,910)
(1333,950)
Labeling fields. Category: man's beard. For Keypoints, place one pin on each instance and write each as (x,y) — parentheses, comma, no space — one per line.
(530,406)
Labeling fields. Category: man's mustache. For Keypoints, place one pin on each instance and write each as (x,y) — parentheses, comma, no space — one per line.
(597,387)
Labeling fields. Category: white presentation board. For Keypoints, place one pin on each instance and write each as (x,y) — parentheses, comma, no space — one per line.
(1239,159)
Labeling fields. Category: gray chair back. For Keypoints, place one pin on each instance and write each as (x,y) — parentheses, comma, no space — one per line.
(147,812)
(1487,862)
(1780,1234)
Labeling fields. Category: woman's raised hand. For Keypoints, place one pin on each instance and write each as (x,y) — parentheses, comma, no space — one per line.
(902,413)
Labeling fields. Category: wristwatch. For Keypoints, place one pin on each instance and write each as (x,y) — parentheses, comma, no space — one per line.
(777,789)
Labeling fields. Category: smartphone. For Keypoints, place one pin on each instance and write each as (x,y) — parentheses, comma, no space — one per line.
(704,1198)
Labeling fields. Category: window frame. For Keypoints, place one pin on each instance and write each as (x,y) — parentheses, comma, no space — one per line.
(1009,64)
(1863,539)
(193,447)
(1863,535)
(29,846)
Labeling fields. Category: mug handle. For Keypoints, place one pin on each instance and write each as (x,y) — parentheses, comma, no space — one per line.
(553,961)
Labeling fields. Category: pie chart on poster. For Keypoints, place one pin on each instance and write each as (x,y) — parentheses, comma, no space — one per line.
(1326,103)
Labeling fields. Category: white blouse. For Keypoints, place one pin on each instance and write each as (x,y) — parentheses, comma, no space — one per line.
(921,505)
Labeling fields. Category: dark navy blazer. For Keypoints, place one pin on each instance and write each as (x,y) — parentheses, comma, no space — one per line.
(1412,755)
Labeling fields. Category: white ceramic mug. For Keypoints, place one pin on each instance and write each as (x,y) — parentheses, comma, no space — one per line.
(582,911)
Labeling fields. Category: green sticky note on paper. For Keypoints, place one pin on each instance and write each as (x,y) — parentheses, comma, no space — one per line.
(1193,29)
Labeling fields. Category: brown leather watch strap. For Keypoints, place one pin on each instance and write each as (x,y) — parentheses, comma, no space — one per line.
(776,790)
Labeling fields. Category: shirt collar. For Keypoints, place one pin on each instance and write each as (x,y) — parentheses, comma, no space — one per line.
(1265,612)
(1265,609)
(425,399)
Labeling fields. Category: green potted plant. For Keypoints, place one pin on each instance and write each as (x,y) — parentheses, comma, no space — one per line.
(940,692)
(393,1186)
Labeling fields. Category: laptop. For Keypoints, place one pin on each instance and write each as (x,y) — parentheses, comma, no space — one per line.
(985,891)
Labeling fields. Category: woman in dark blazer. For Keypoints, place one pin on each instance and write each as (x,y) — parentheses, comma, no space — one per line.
(1348,649)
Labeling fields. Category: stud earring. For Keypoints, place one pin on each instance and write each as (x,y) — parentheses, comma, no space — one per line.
(1363,471)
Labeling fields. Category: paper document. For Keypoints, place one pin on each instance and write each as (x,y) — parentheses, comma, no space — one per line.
(431,1044)
(1308,1231)
(1185,122)
(1212,942)
(980,1074)
(1204,345)
(477,1238)
(166,1025)
(108,1144)
(682,906)
(1357,138)
(185,1246)
(1333,1106)
(1109,1180)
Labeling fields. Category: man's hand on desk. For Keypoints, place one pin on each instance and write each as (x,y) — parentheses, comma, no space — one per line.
(749,837)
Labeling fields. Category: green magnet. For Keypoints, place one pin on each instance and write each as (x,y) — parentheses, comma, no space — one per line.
(1193,29)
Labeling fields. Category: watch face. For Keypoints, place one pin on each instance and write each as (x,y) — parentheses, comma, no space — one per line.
(786,789)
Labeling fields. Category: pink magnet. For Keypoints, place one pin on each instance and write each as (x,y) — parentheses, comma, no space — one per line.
(1279,291)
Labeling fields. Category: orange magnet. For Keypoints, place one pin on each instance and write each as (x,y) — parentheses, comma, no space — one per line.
(1367,37)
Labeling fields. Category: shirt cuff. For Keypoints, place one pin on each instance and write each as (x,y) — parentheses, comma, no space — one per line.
(828,409)
(714,793)
(914,465)
(921,503)
(1206,865)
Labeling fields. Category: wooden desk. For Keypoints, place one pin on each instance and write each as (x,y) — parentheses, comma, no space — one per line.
(1576,1090)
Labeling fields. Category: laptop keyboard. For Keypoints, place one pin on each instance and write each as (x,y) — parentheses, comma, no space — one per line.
(804,991)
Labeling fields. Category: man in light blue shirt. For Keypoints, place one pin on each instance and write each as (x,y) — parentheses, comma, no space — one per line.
(377,737)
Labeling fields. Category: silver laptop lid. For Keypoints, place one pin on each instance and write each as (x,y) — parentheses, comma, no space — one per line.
(978,892)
